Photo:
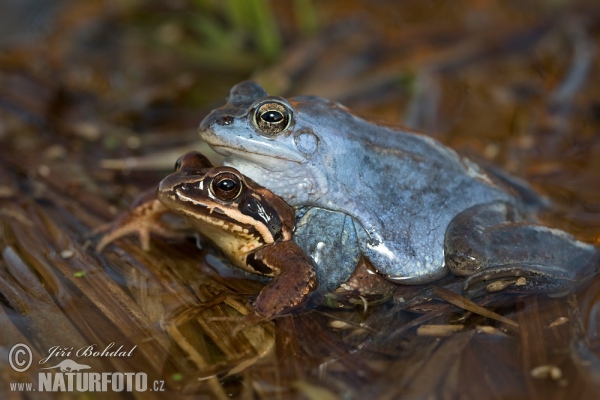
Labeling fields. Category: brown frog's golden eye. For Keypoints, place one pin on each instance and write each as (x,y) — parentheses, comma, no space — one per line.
(226,186)
(272,117)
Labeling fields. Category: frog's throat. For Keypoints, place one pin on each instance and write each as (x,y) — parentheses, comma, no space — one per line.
(257,157)
(297,183)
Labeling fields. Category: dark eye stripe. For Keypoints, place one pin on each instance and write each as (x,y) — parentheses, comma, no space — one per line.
(263,212)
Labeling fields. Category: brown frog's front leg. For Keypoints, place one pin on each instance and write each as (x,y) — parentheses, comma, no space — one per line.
(143,218)
(291,287)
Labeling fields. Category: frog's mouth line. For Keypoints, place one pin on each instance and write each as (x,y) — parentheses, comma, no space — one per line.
(236,220)
(226,151)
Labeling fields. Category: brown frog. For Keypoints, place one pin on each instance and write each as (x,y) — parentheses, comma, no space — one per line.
(251,226)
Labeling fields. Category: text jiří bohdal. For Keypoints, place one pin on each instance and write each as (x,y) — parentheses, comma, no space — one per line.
(92,350)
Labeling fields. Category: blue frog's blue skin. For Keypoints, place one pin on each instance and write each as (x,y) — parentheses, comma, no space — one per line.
(388,194)
(329,238)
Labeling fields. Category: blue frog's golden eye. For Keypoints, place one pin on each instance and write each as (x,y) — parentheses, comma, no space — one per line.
(226,186)
(272,117)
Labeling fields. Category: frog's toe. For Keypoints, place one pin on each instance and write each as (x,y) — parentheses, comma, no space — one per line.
(143,220)
(522,278)
(143,229)
(110,234)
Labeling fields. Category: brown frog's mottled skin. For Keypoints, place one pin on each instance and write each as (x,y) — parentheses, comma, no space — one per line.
(248,223)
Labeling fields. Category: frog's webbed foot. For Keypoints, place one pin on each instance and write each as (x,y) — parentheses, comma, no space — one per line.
(521,278)
(497,250)
(142,219)
(291,287)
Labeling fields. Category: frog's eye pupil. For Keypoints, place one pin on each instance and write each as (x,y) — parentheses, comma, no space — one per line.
(226,186)
(272,117)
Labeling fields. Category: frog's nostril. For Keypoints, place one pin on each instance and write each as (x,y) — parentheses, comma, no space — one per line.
(225,120)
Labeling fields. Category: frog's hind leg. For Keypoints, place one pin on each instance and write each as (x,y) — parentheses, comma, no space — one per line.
(498,250)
